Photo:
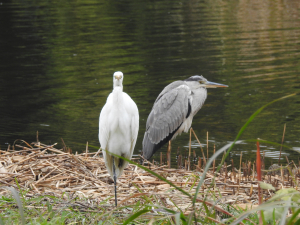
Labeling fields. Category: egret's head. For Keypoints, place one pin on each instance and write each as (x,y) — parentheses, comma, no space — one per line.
(204,82)
(118,78)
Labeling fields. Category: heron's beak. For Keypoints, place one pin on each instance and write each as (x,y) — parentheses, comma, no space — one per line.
(209,84)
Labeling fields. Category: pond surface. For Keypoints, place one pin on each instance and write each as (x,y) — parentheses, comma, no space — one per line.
(57,59)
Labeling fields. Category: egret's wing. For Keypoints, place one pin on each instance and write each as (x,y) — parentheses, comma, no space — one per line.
(134,130)
(103,125)
(168,113)
(133,111)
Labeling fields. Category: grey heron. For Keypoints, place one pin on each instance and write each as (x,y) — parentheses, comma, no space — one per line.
(118,129)
(173,111)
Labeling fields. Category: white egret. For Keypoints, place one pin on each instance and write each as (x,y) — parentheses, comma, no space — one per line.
(173,111)
(118,129)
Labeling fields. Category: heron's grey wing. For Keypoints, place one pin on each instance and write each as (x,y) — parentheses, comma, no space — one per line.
(169,87)
(167,115)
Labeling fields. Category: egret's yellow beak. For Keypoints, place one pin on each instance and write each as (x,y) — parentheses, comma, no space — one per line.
(118,77)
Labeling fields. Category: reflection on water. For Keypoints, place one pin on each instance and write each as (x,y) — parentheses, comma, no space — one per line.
(57,62)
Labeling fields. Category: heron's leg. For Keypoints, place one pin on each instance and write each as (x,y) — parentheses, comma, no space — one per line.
(115,180)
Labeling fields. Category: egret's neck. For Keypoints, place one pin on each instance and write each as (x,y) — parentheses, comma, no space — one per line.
(118,84)
(117,94)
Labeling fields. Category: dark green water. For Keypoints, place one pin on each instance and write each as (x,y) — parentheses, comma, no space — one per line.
(57,59)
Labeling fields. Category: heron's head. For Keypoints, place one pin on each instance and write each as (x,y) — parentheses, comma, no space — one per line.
(204,82)
(118,78)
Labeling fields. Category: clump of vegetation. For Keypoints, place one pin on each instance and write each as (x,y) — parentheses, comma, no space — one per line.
(16,208)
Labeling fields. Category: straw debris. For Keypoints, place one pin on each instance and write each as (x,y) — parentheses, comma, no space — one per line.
(42,169)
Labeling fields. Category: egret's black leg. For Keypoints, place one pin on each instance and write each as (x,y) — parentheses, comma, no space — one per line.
(115,180)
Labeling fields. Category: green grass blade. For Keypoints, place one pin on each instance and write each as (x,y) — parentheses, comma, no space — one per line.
(264,206)
(136,215)
(1,221)
(183,219)
(247,123)
(219,152)
(153,173)
(297,222)
(293,217)
(19,203)
(235,141)
(284,214)
(263,218)
(274,217)
(177,218)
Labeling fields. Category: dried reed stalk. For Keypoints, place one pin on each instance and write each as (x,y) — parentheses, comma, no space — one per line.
(204,159)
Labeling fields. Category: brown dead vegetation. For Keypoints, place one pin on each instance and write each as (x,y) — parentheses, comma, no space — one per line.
(43,169)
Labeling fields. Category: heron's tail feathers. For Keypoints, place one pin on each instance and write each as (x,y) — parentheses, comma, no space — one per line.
(149,148)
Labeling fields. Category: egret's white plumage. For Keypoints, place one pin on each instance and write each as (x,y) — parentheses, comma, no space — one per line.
(118,128)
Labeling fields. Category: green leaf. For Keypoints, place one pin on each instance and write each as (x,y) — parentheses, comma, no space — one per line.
(284,215)
(206,209)
(294,215)
(266,186)
(7,199)
(297,222)
(183,218)
(134,216)
(286,194)
(268,206)
(19,203)
(274,217)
